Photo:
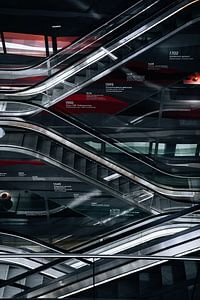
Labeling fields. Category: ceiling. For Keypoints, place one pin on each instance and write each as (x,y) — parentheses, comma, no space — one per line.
(76,17)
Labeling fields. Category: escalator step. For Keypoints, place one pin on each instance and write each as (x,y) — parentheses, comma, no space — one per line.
(103,173)
(57,93)
(30,141)
(191,269)
(79,79)
(44,146)
(3,276)
(68,158)
(34,280)
(105,62)
(124,185)
(90,73)
(133,187)
(80,163)
(167,275)
(12,139)
(114,183)
(91,169)
(149,281)
(10,291)
(56,151)
(178,271)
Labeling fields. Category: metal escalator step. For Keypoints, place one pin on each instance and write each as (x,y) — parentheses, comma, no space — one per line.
(3,276)
(12,139)
(4,271)
(34,280)
(124,185)
(149,281)
(91,169)
(10,291)
(56,93)
(67,86)
(178,272)
(45,279)
(56,151)
(43,145)
(30,141)
(79,79)
(107,61)
(45,99)
(68,158)
(191,269)
(90,73)
(82,73)
(144,199)
(13,271)
(71,81)
(103,173)
(114,183)
(166,274)
(80,163)
(133,187)
(98,66)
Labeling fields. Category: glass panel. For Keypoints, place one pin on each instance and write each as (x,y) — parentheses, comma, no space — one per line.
(161,148)
(135,147)
(185,149)
(65,41)
(96,146)
(25,44)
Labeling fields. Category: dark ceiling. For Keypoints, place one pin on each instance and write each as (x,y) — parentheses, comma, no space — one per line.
(76,17)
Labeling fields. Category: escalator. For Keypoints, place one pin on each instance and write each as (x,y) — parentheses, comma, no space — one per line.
(180,182)
(151,185)
(42,270)
(165,240)
(172,280)
(12,244)
(15,79)
(117,146)
(111,56)
(167,169)
(91,167)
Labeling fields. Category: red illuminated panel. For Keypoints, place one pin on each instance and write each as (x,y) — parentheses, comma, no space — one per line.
(32,44)
(21,162)
(25,44)
(83,103)
(65,41)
